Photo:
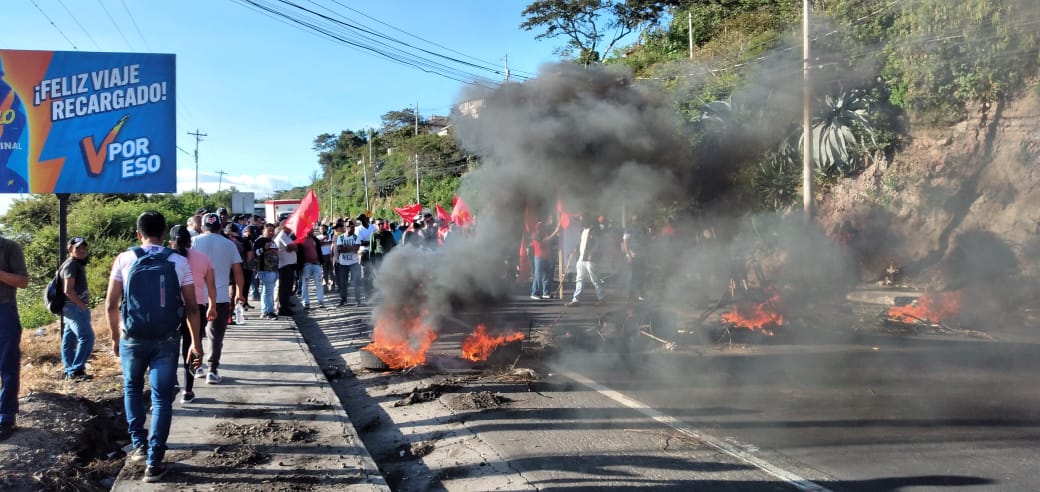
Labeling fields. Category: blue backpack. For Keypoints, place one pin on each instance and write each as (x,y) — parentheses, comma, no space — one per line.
(152,304)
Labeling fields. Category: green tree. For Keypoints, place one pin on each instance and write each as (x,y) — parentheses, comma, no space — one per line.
(591,27)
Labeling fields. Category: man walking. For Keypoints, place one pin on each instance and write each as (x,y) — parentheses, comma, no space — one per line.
(13,275)
(310,254)
(589,253)
(226,261)
(266,252)
(150,348)
(77,336)
(349,270)
(286,269)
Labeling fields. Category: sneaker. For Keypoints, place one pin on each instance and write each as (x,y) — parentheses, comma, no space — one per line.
(137,454)
(546,296)
(6,430)
(152,473)
(213,378)
(572,304)
(188,397)
(200,372)
(536,297)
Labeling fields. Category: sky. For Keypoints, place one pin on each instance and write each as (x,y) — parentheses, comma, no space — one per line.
(262,90)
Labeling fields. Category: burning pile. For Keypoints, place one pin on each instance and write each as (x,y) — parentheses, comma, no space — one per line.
(929,308)
(753,316)
(479,346)
(401,342)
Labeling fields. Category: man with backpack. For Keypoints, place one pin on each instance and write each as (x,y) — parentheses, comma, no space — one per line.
(77,336)
(150,291)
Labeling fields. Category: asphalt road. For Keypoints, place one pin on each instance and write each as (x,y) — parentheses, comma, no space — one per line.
(825,410)
(873,413)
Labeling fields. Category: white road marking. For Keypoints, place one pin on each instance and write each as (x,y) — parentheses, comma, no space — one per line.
(729,446)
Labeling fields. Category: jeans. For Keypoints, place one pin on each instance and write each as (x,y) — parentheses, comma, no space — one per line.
(541,277)
(215,331)
(77,339)
(347,274)
(587,268)
(268,280)
(254,283)
(156,359)
(637,277)
(10,361)
(311,271)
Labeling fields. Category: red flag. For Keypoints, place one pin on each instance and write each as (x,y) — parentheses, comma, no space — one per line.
(408,213)
(443,214)
(304,217)
(460,214)
(565,218)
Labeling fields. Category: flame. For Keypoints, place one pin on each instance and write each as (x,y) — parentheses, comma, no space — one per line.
(934,308)
(479,345)
(762,317)
(401,343)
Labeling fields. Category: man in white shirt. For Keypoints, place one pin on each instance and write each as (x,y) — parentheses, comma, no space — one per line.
(286,269)
(159,355)
(349,268)
(364,235)
(227,262)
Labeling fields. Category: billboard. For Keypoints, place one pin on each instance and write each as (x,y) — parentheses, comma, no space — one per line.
(81,122)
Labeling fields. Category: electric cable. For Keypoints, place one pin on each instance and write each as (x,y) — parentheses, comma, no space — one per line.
(136,27)
(76,20)
(54,25)
(116,24)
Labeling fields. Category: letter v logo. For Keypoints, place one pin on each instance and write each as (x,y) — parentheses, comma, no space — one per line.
(95,156)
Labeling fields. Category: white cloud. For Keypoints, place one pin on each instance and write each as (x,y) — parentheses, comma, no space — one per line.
(261,184)
(7,199)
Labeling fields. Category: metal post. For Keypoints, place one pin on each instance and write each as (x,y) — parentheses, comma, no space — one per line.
(417,178)
(63,226)
(689,22)
(807,166)
(371,160)
(364,166)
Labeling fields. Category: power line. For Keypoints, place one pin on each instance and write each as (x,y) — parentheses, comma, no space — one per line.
(55,25)
(76,20)
(364,39)
(136,27)
(418,37)
(116,24)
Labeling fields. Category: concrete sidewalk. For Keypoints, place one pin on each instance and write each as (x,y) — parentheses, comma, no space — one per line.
(272,424)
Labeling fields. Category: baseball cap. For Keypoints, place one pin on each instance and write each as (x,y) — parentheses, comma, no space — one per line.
(76,241)
(211,222)
(201,211)
(221,211)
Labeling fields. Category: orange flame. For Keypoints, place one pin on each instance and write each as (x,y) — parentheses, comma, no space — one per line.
(762,317)
(479,346)
(401,343)
(934,308)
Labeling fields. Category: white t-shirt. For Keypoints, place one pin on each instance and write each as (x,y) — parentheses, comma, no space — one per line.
(351,257)
(285,257)
(125,260)
(222,253)
(365,234)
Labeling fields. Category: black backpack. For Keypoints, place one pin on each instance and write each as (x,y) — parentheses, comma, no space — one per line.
(54,294)
(152,305)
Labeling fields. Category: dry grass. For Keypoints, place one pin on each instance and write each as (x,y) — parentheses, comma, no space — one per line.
(42,368)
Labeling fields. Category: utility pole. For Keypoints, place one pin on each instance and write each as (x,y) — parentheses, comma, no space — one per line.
(689,22)
(198,136)
(417,118)
(364,166)
(807,165)
(220,182)
(371,160)
(417,178)
(507,67)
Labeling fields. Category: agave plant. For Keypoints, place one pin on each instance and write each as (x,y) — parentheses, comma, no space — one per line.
(777,179)
(840,133)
